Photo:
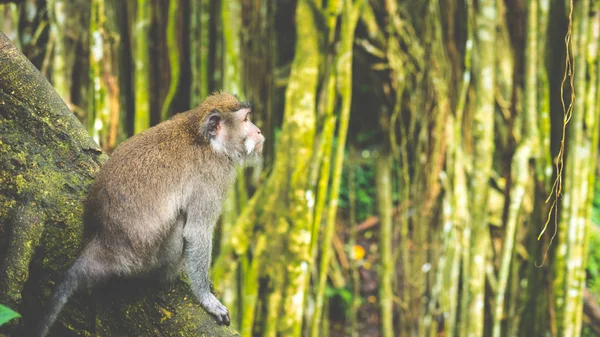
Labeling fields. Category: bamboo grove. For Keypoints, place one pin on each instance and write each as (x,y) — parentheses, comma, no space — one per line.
(461,110)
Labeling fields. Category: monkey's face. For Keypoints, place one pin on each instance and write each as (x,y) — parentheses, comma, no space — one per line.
(249,134)
(232,133)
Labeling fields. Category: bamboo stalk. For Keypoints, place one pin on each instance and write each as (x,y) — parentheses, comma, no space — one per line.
(520,171)
(251,286)
(141,53)
(519,165)
(173,49)
(355,275)
(457,190)
(274,300)
(344,83)
(231,17)
(99,103)
(384,202)
(569,267)
(544,157)
(60,81)
(291,179)
(483,149)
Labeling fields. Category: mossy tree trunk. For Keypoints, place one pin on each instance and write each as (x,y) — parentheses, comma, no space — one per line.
(579,177)
(482,156)
(47,162)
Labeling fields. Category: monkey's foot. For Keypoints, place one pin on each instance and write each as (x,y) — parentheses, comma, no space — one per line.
(212,305)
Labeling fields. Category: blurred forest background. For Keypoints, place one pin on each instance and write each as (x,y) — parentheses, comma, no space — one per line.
(411,147)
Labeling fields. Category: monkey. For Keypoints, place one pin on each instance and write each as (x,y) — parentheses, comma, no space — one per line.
(156,201)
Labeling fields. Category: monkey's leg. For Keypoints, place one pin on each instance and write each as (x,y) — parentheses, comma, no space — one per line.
(170,272)
(198,249)
(172,254)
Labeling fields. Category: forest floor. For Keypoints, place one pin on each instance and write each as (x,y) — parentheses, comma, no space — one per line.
(368,315)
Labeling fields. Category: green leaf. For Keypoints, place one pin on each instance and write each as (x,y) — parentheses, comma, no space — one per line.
(6,314)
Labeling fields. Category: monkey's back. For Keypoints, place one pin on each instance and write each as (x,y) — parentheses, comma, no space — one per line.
(139,190)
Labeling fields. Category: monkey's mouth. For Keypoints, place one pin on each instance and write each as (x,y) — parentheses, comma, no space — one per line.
(253,146)
(259,147)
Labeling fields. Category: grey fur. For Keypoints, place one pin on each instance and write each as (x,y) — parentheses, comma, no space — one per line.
(156,202)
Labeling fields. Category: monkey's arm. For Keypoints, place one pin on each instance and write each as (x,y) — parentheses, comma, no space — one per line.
(198,248)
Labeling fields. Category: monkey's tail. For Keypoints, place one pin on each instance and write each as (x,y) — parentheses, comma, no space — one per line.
(72,281)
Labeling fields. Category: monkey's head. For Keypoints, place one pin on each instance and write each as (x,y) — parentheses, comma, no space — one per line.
(226,127)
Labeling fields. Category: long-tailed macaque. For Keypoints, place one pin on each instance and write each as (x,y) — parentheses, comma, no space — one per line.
(157,199)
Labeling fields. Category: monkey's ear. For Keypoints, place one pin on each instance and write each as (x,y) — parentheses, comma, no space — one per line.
(211,125)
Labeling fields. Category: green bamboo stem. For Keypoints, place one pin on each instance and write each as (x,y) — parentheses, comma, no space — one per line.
(505,66)
(141,54)
(173,47)
(448,269)
(355,275)
(344,83)
(9,22)
(200,22)
(231,17)
(530,121)
(544,164)
(321,171)
(333,12)
(399,152)
(100,109)
(483,149)
(439,83)
(384,202)
(323,183)
(459,218)
(458,190)
(585,187)
(199,41)
(60,82)
(231,78)
(274,301)
(194,40)
(466,78)
(591,123)
(520,171)
(205,45)
(569,263)
(519,166)
(251,288)
(299,128)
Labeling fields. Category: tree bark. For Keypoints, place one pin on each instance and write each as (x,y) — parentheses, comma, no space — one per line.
(47,162)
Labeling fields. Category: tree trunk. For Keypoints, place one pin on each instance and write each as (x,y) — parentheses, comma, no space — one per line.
(142,63)
(483,148)
(47,162)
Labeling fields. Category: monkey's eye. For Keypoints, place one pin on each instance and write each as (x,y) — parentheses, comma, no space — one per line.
(246,118)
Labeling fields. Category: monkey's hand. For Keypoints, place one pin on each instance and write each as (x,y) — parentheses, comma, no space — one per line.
(212,305)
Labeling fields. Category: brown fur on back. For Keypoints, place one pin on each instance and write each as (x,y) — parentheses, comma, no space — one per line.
(165,160)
